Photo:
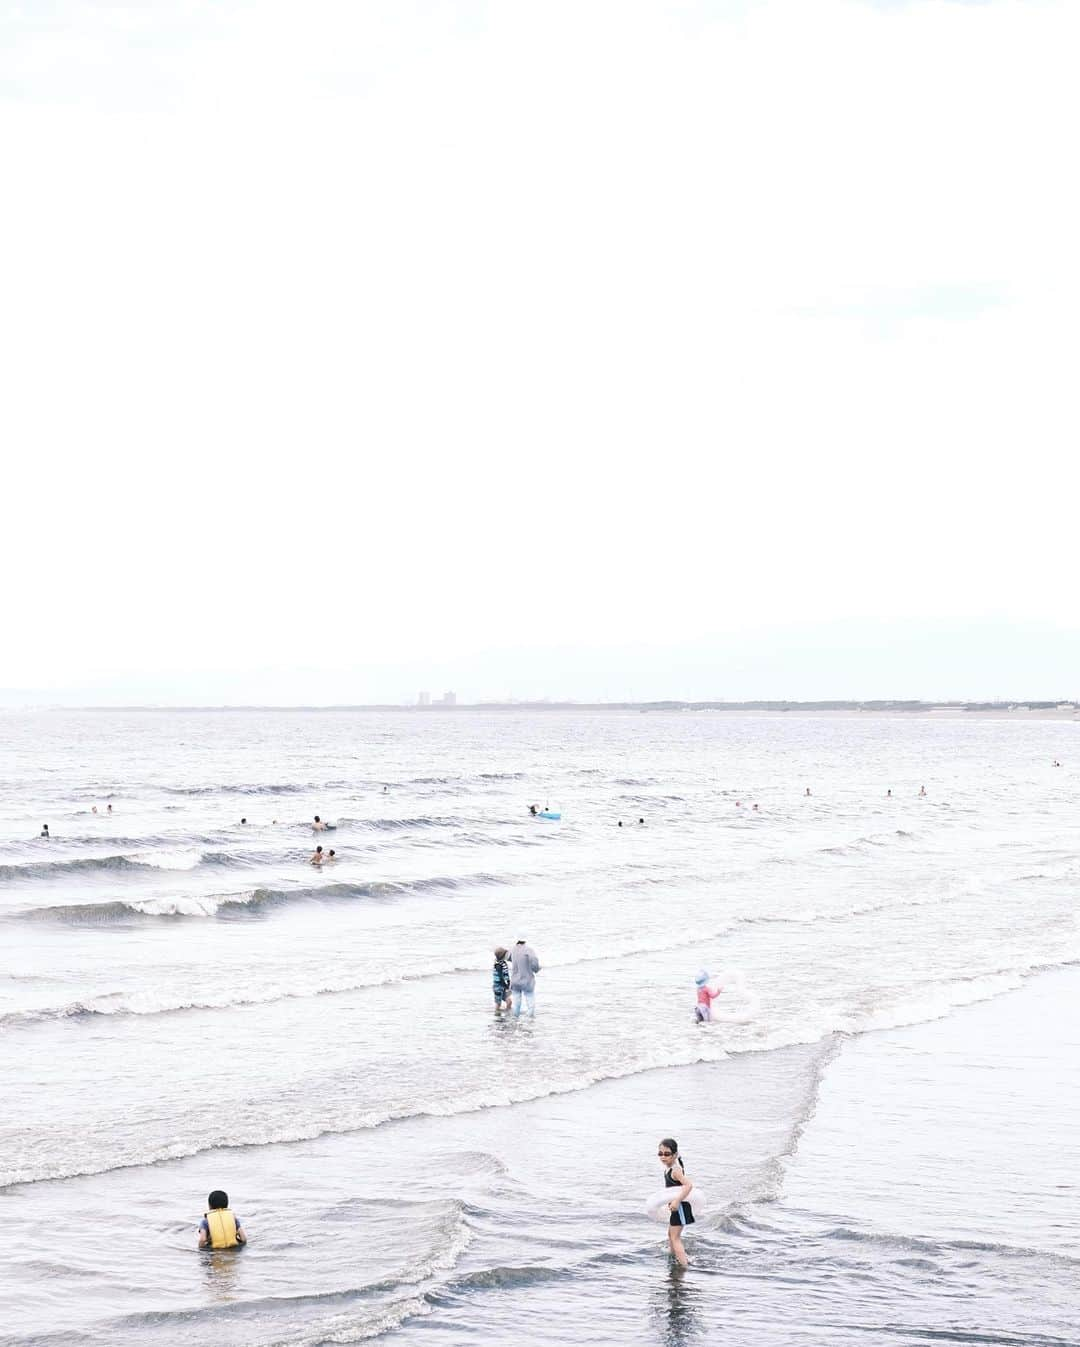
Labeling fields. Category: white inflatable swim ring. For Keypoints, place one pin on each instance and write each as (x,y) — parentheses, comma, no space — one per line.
(657,1205)
(730,979)
(738,1010)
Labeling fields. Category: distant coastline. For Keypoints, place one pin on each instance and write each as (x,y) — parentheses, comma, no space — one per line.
(1031,709)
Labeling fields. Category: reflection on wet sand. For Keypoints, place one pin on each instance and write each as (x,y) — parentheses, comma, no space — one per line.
(676,1307)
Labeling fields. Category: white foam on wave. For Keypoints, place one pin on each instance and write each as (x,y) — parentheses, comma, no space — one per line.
(178,905)
(181,858)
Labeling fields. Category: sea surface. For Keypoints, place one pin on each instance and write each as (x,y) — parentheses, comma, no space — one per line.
(885,1117)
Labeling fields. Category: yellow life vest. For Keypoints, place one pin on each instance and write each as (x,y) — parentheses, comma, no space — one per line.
(222,1225)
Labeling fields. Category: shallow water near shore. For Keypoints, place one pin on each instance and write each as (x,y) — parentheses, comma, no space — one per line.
(887,1131)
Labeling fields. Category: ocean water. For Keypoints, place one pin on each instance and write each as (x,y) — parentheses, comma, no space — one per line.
(885,1115)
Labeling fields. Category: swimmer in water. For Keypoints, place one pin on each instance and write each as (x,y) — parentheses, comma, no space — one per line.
(318,826)
(808,790)
(44,830)
(108,809)
(534,810)
(220,1228)
(243,821)
(93,809)
(331,855)
(317,856)
(682,1214)
(922,790)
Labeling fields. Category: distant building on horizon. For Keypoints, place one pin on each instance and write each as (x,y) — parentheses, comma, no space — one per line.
(449,699)
(424,699)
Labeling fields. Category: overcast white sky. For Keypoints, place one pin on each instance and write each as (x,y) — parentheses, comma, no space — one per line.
(570,348)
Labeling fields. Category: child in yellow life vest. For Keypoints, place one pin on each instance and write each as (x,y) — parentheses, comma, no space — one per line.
(220,1228)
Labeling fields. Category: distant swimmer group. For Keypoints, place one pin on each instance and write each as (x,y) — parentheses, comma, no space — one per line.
(93,809)
(318,825)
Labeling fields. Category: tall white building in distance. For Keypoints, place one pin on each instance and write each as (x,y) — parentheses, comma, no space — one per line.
(424,699)
(449,699)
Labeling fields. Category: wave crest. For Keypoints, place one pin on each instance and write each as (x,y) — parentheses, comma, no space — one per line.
(123,911)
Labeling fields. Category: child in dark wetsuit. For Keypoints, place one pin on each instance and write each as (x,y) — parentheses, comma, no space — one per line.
(682,1213)
(500,980)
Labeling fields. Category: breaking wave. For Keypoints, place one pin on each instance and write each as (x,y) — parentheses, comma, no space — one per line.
(251,902)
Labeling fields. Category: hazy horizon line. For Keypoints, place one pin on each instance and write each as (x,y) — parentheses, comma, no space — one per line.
(551,704)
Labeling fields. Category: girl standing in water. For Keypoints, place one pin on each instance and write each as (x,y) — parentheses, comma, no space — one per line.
(681,1211)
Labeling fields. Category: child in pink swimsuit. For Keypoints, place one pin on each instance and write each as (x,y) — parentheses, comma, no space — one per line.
(705,998)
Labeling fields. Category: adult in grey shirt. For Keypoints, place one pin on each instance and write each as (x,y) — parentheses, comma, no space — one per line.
(524,965)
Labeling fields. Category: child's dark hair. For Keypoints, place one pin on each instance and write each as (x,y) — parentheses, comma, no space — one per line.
(670,1144)
(217,1200)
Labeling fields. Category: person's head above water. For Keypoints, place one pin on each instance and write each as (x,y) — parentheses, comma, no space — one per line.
(317,819)
(243,820)
(331,852)
(217,1200)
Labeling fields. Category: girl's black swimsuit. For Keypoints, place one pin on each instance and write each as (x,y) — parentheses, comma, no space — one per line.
(683,1213)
